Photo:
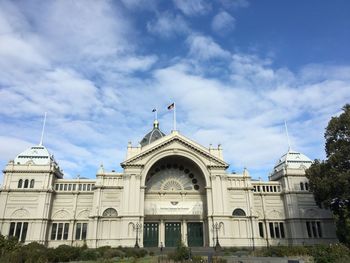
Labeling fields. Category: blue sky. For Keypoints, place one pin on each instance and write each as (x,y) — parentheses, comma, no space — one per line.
(235,68)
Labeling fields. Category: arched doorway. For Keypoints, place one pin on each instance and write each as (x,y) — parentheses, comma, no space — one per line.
(175,206)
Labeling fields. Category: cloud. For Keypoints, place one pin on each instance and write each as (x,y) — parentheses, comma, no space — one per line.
(194,7)
(168,25)
(205,48)
(233,4)
(223,23)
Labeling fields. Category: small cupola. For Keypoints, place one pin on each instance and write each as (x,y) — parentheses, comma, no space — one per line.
(153,135)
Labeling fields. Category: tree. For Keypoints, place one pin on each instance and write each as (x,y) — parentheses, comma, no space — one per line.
(330,179)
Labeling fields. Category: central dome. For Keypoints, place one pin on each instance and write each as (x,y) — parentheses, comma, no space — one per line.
(153,135)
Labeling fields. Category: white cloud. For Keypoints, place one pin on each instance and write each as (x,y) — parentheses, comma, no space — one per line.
(205,48)
(223,23)
(168,25)
(193,7)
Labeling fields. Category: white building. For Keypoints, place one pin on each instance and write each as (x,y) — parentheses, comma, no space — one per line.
(171,188)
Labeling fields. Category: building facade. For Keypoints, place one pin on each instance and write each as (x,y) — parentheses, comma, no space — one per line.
(171,189)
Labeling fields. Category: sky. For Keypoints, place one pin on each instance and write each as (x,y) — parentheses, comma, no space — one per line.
(236,69)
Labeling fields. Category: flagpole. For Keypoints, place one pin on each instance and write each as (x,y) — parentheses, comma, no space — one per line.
(174,117)
(42,131)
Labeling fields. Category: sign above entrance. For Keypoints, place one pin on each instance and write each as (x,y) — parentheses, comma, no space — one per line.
(173,208)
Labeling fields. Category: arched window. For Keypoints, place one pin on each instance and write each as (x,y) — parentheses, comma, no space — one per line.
(26,182)
(31,183)
(306,186)
(301,186)
(110,212)
(238,212)
(20,183)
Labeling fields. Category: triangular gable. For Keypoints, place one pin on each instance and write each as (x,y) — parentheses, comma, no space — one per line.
(170,139)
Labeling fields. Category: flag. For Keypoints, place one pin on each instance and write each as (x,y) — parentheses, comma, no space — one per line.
(171,106)
(154,110)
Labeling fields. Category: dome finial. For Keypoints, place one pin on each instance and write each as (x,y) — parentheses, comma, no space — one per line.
(156,124)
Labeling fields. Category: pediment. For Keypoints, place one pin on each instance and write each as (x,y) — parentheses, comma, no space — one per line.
(174,142)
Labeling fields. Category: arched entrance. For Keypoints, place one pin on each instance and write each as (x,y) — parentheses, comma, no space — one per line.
(175,206)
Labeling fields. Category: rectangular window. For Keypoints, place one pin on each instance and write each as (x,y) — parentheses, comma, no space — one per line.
(272,234)
(74,185)
(79,187)
(282,230)
(56,187)
(81,231)
(65,187)
(69,187)
(84,187)
(61,187)
(66,229)
(319,230)
(84,231)
(12,229)
(261,229)
(24,232)
(59,231)
(19,230)
(53,231)
(313,224)
(78,231)
(88,187)
(308,229)
(277,231)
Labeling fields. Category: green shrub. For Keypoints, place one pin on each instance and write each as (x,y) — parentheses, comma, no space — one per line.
(89,254)
(65,253)
(181,253)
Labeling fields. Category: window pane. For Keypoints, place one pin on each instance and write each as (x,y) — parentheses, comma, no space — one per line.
(272,234)
(77,231)
(61,187)
(261,229)
(65,187)
(24,232)
(74,187)
(83,234)
(308,229)
(56,187)
(301,186)
(313,224)
(32,183)
(88,187)
(59,232)
(66,228)
(53,231)
(277,231)
(69,187)
(26,182)
(79,187)
(20,182)
(319,230)
(18,230)
(12,229)
(84,187)
(282,230)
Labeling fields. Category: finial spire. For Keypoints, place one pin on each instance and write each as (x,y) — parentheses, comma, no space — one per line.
(42,131)
(155,114)
(285,125)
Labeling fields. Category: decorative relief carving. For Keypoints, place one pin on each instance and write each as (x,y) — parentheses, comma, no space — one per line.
(61,214)
(84,214)
(20,213)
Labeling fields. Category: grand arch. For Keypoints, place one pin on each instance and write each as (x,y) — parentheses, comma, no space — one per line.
(175,203)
